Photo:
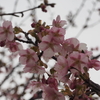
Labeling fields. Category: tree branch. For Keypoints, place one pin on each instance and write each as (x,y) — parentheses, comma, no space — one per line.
(22,12)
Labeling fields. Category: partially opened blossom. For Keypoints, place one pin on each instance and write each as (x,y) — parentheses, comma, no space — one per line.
(28,56)
(58,22)
(52,94)
(94,64)
(6,31)
(14,46)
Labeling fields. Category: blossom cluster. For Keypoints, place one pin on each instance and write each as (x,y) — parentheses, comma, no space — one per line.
(72,59)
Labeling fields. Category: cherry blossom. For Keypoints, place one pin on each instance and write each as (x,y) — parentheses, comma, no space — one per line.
(34,68)
(52,94)
(57,34)
(49,47)
(14,46)
(78,60)
(94,64)
(61,68)
(28,56)
(58,22)
(72,44)
(72,60)
(6,31)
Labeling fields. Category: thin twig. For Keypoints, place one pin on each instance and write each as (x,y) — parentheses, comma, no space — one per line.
(25,87)
(22,12)
(23,41)
(15,6)
(77,12)
(9,74)
(85,26)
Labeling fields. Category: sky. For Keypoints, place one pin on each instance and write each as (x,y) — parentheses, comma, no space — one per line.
(90,36)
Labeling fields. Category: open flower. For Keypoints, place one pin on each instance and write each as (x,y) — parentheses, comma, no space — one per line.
(14,46)
(61,68)
(6,31)
(32,67)
(58,34)
(28,56)
(49,46)
(78,60)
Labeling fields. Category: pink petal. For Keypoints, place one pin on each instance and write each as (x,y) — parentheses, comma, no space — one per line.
(7,24)
(43,46)
(22,60)
(10,37)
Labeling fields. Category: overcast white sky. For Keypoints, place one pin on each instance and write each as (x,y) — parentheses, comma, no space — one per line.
(90,36)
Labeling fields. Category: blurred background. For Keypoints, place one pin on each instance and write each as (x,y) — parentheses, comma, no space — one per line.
(83,22)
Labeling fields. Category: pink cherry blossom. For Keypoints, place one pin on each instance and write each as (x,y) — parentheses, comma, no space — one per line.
(52,94)
(49,47)
(69,45)
(14,46)
(72,44)
(78,60)
(34,68)
(61,68)
(58,22)
(6,31)
(28,56)
(58,34)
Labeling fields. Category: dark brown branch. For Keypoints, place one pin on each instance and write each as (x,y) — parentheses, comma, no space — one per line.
(22,12)
(94,86)
(20,40)
(96,57)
